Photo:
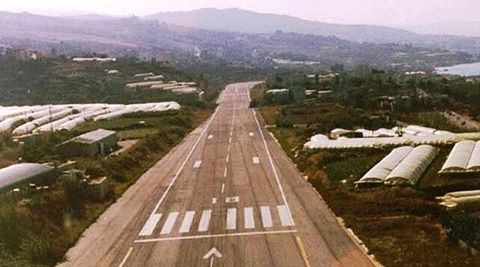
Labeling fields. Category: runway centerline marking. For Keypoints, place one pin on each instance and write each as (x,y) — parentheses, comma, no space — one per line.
(189,155)
(197,164)
(223,188)
(214,236)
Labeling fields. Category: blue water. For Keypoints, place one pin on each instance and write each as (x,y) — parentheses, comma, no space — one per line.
(462,70)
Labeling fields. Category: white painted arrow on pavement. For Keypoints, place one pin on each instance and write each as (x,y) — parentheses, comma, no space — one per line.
(211,253)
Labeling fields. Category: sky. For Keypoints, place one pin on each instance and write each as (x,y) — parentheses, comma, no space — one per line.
(380,12)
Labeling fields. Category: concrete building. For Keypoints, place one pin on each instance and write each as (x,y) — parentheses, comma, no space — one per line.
(99,142)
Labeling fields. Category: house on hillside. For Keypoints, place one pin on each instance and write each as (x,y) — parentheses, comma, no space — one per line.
(99,142)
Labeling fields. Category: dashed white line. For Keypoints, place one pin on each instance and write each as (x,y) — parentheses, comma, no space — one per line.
(187,222)
(227,158)
(168,226)
(205,221)
(223,188)
(266,217)
(231,219)
(177,174)
(248,217)
(197,164)
(225,172)
(150,225)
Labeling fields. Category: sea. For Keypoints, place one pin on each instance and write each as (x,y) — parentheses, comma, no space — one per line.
(466,70)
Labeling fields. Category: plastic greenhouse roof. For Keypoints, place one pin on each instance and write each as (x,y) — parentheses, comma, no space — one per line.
(20,172)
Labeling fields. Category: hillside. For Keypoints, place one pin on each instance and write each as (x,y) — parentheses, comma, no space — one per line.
(237,20)
(176,44)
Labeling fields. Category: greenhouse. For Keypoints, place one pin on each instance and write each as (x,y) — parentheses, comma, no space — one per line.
(36,119)
(411,169)
(464,157)
(380,171)
(404,165)
(17,173)
(318,142)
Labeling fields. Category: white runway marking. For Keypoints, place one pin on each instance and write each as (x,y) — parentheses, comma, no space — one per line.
(285,216)
(227,158)
(230,140)
(251,134)
(214,200)
(187,222)
(232,199)
(214,236)
(175,177)
(256,160)
(210,137)
(197,164)
(223,188)
(248,217)
(272,165)
(266,217)
(205,220)
(172,182)
(150,225)
(231,219)
(168,226)
(225,172)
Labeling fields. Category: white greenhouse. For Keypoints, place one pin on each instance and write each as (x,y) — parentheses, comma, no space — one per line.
(37,119)
(464,157)
(404,165)
(21,172)
(411,169)
(380,171)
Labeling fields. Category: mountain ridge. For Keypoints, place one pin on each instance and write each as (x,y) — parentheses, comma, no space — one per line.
(244,21)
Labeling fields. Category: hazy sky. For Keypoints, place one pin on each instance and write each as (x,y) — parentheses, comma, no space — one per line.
(384,12)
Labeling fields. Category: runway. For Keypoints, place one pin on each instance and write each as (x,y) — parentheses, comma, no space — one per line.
(228,195)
